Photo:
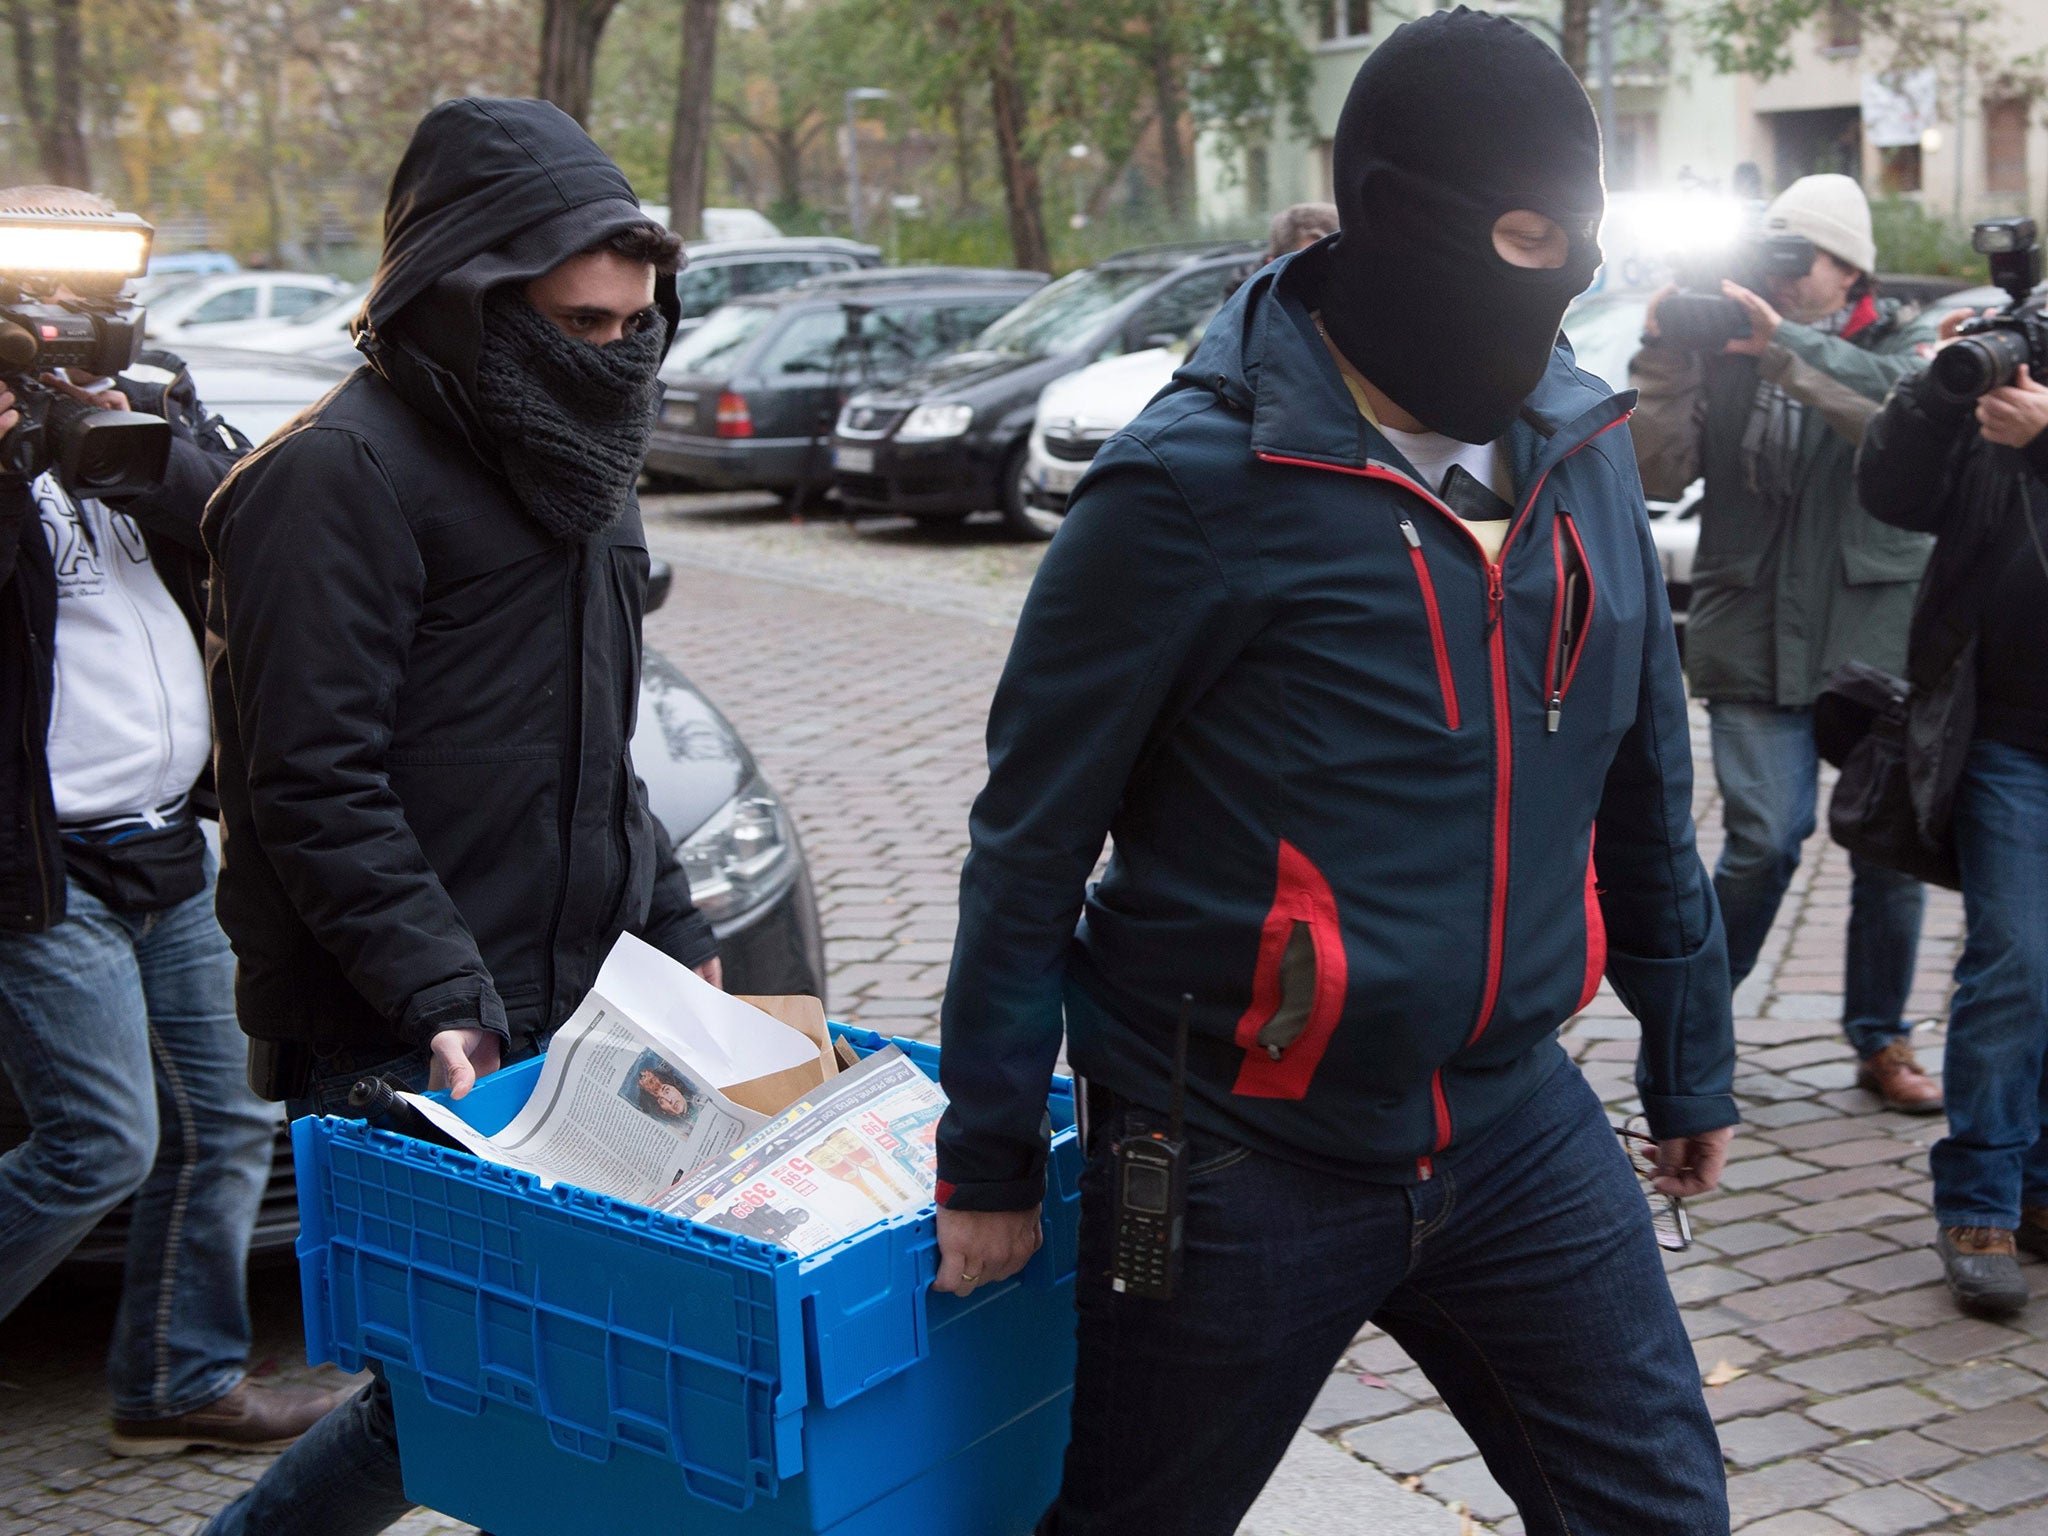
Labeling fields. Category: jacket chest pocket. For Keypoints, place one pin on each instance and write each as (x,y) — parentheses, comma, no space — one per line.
(1592,659)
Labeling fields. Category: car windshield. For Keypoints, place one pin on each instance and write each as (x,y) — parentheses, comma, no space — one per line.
(1060,318)
(1605,331)
(717,339)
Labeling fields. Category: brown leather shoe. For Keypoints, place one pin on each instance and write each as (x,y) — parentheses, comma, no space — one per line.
(1894,1075)
(250,1418)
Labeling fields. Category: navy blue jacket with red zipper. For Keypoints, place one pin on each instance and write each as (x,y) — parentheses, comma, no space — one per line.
(1354,773)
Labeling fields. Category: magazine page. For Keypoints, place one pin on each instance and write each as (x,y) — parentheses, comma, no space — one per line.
(630,1097)
(616,1113)
(858,1150)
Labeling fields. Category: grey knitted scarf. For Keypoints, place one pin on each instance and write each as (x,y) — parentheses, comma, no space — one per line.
(571,420)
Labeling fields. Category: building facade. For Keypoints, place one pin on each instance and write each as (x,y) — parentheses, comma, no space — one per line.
(1981,146)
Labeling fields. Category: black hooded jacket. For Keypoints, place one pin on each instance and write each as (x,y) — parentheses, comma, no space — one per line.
(423,701)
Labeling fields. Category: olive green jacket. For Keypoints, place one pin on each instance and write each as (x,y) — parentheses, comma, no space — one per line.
(1779,601)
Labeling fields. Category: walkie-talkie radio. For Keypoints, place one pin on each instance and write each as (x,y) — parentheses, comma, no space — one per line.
(1152,1193)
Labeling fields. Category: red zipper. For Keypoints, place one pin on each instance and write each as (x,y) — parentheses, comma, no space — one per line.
(1437,644)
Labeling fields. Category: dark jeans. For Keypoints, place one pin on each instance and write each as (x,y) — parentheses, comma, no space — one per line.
(1768,769)
(1524,1281)
(118,1034)
(1995,1157)
(342,1478)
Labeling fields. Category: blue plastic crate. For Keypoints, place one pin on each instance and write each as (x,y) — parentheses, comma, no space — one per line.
(562,1363)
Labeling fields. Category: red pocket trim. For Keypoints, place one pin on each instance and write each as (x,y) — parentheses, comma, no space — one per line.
(1301,895)
(1596,933)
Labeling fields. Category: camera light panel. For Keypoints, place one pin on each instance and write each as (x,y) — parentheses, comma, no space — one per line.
(51,245)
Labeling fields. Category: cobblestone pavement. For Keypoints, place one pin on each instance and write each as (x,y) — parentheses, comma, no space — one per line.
(857,663)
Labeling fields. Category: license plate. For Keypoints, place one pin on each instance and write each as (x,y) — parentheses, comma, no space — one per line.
(679,413)
(854,461)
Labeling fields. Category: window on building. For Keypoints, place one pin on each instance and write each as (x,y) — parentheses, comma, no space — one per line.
(2005,146)
(1326,170)
(1899,168)
(1346,18)
(1842,26)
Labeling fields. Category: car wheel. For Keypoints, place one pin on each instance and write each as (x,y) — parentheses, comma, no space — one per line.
(1019,515)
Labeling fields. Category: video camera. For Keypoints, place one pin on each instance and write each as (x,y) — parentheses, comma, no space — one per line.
(1701,318)
(1989,349)
(61,306)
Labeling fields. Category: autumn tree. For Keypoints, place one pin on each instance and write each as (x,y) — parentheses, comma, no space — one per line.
(570,31)
(50,85)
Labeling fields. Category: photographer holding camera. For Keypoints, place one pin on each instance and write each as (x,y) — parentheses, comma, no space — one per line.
(117,1020)
(1792,577)
(1961,452)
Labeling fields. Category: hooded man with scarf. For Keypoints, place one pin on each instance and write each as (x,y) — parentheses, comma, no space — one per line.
(1355,643)
(424,661)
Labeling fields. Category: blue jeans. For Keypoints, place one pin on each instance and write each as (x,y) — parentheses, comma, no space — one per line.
(343,1477)
(118,1035)
(1524,1280)
(1768,769)
(1994,1159)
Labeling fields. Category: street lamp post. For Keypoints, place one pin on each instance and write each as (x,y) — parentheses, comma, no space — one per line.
(854,98)
(1606,70)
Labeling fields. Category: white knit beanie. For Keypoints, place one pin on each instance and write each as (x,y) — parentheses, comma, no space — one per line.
(1832,212)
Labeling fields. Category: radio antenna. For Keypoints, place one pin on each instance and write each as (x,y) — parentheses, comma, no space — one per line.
(1180,1067)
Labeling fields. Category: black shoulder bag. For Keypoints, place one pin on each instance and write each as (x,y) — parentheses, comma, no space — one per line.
(1902,751)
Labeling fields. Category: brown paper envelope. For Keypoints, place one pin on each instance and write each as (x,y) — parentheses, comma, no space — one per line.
(772,1094)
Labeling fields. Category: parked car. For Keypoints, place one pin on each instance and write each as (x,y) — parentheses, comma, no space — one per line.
(229,305)
(749,396)
(722,270)
(724,223)
(253,392)
(166,267)
(1081,411)
(322,331)
(735,838)
(953,437)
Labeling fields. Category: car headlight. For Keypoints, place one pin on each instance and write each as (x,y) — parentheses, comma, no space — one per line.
(930,423)
(742,856)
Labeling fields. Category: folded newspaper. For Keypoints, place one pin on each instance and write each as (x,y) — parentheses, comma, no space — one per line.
(656,1091)
(639,1088)
(859,1150)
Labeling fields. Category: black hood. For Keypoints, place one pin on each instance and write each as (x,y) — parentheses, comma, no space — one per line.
(1454,120)
(490,191)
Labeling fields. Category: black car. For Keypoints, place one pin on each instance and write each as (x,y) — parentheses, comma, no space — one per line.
(747,873)
(951,438)
(721,270)
(749,396)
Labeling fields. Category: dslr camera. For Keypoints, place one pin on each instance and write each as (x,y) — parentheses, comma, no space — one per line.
(62,307)
(1989,349)
(1701,318)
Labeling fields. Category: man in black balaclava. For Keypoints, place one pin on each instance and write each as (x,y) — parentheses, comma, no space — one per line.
(423,654)
(1415,296)
(1350,644)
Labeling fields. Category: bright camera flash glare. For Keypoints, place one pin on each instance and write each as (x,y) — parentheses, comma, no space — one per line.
(1676,222)
(66,248)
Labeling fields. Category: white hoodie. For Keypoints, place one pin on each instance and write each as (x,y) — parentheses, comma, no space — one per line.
(129,732)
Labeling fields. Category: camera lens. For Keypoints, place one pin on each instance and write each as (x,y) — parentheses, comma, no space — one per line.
(1972,365)
(1700,322)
